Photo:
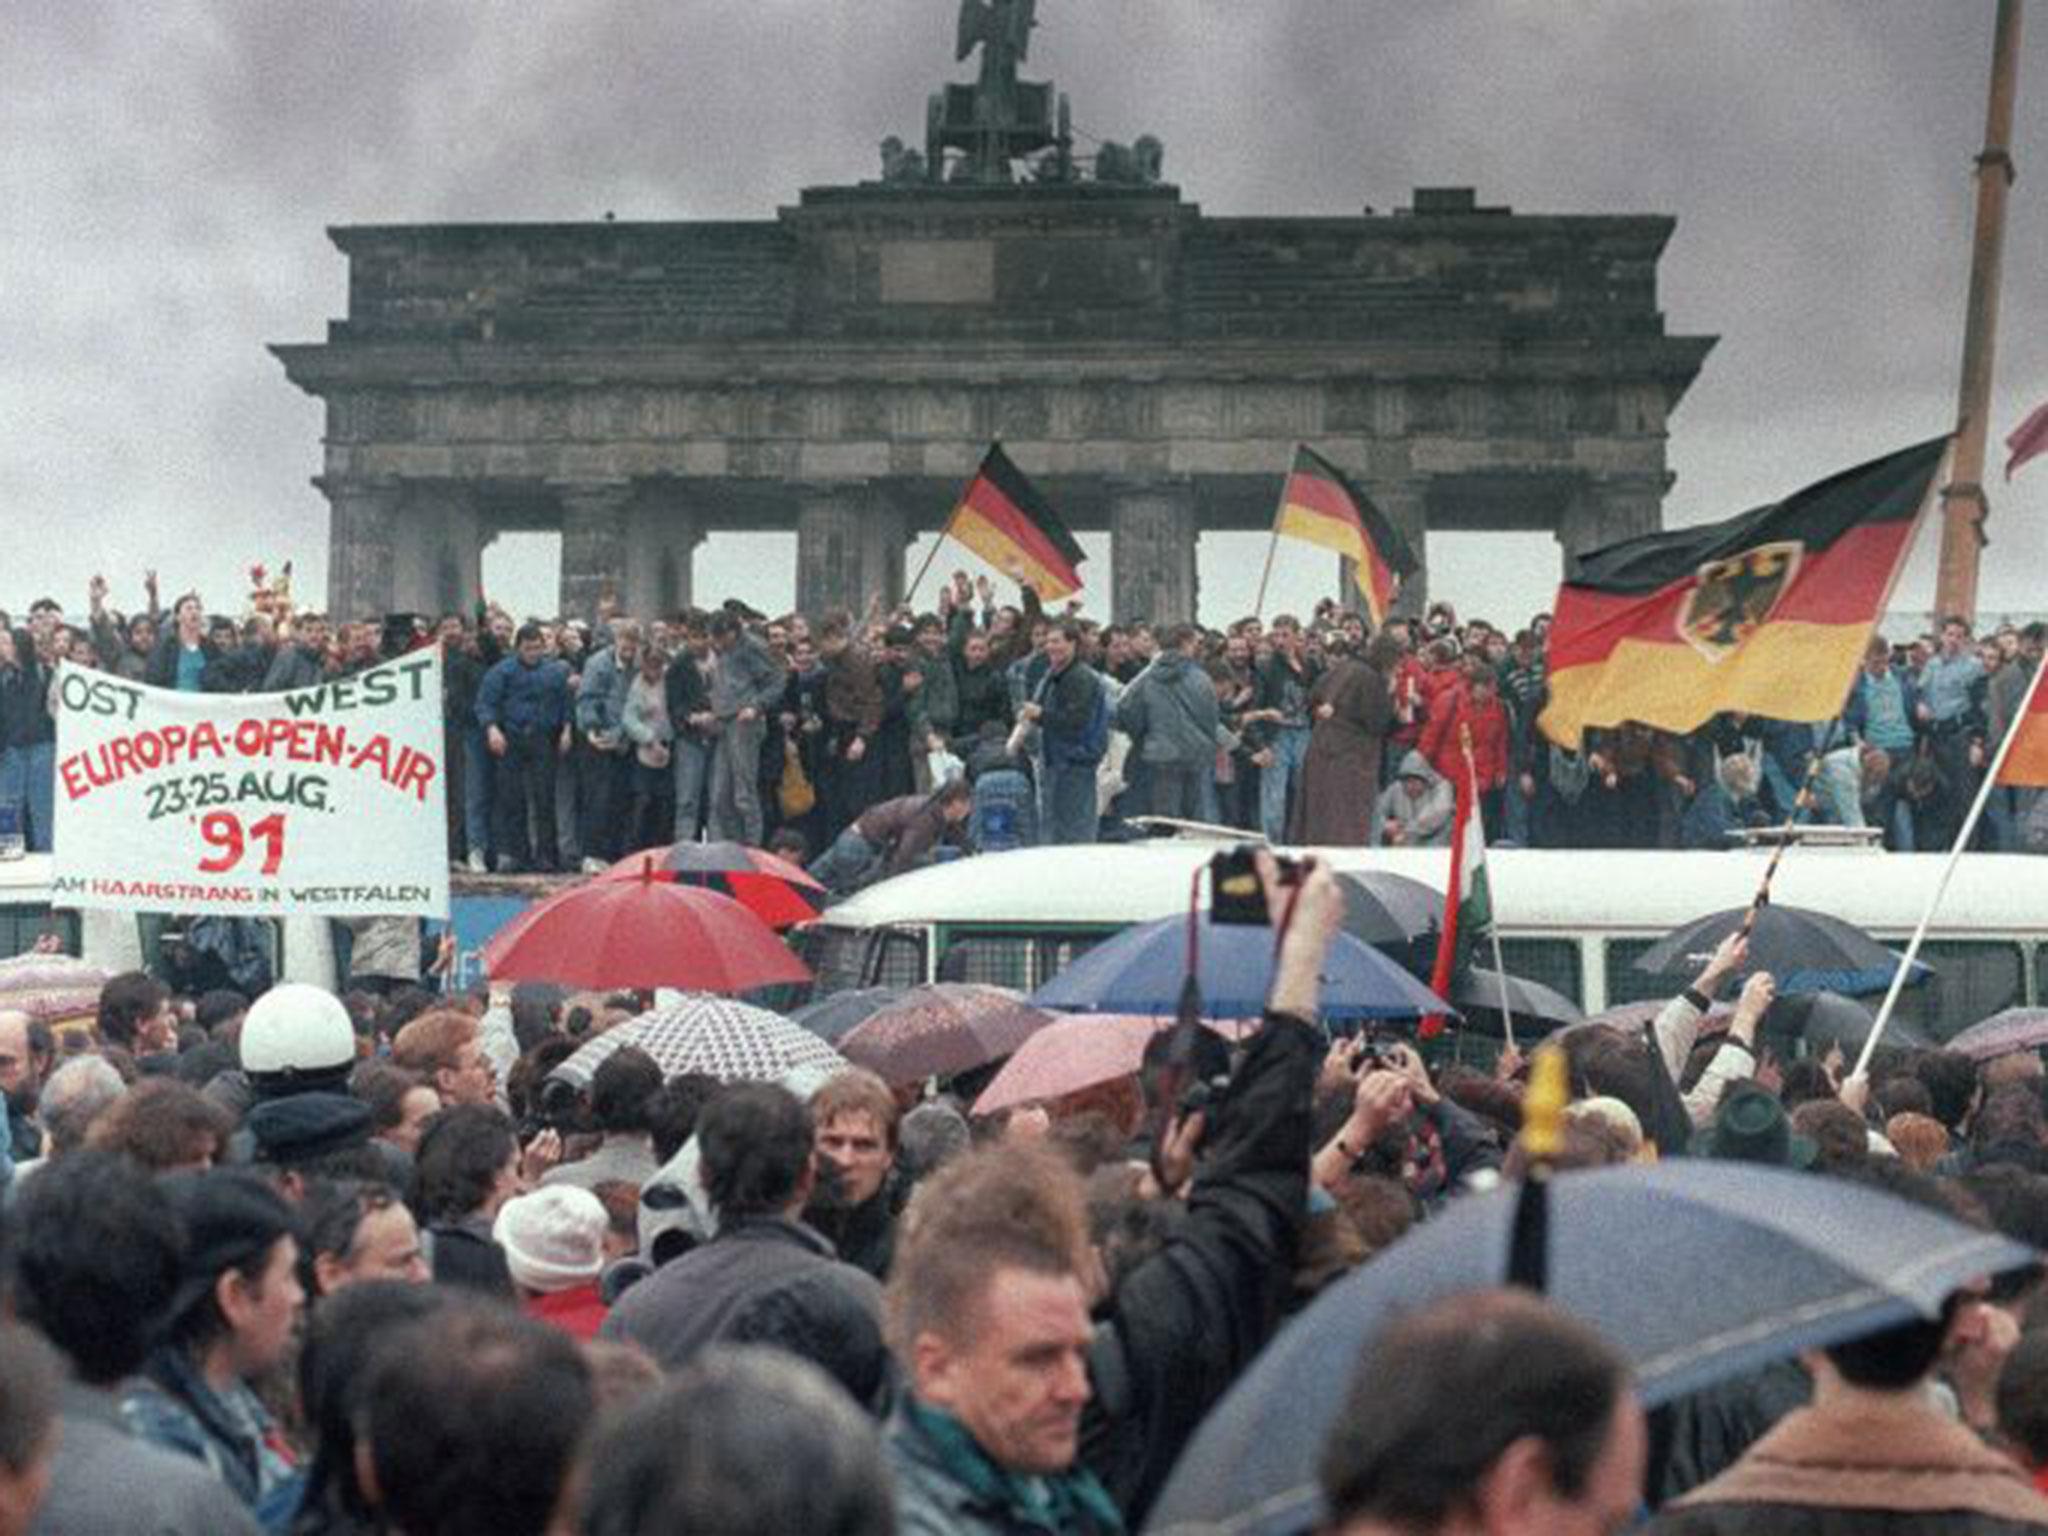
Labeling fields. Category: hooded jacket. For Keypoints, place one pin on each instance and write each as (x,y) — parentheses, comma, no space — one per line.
(1426,821)
(1170,713)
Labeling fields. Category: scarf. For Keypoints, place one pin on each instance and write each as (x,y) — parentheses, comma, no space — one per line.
(1070,1503)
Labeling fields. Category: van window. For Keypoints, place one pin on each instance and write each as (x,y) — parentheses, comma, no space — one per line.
(835,956)
(1626,984)
(988,959)
(1555,963)
(22,925)
(1010,958)
(898,959)
(1973,979)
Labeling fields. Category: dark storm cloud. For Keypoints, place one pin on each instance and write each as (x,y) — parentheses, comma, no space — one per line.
(171,169)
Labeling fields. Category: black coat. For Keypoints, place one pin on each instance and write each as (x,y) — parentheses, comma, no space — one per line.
(1184,1323)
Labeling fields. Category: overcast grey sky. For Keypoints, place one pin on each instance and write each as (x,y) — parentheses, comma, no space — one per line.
(167,172)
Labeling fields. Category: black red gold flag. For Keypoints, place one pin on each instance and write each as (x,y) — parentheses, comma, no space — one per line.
(1766,613)
(1320,505)
(1003,519)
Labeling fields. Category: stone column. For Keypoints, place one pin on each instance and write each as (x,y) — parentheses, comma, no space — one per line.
(1405,504)
(437,551)
(361,527)
(593,543)
(849,547)
(1152,537)
(1608,509)
(663,535)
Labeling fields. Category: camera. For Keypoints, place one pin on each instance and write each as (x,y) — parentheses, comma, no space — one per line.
(1235,895)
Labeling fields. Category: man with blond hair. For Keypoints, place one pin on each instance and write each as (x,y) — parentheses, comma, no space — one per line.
(858,1195)
(444,1048)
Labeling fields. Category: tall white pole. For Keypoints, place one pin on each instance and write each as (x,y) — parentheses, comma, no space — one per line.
(1955,854)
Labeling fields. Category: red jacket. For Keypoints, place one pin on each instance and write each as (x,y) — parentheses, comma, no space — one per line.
(578,1311)
(1489,726)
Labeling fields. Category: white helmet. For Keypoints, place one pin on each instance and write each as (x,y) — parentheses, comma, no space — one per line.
(296,1033)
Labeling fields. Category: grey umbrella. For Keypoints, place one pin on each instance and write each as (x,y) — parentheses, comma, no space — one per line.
(1699,1271)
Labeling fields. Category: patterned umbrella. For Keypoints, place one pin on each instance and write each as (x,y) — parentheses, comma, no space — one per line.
(941,1029)
(2005,1032)
(773,889)
(641,933)
(1075,1052)
(50,987)
(830,1017)
(734,1042)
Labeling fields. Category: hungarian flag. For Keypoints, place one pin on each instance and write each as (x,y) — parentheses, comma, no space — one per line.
(2029,439)
(1766,613)
(1318,504)
(2026,760)
(1468,901)
(1003,519)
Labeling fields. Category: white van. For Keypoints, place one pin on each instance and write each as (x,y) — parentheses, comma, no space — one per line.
(1574,919)
(302,948)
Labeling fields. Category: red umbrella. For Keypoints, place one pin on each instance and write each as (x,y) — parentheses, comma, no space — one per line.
(642,933)
(1077,1052)
(778,892)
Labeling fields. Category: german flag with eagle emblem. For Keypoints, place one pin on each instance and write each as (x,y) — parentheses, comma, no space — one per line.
(1766,613)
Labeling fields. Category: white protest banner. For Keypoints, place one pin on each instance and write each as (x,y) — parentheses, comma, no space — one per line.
(325,800)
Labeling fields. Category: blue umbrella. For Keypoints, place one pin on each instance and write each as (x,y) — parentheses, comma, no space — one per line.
(1141,971)
(1698,1271)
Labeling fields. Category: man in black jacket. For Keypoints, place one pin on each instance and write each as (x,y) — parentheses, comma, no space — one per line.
(1007,1379)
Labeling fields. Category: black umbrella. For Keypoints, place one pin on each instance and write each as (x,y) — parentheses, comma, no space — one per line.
(1698,1271)
(1399,917)
(1381,907)
(1823,1019)
(1537,1009)
(835,1014)
(1806,951)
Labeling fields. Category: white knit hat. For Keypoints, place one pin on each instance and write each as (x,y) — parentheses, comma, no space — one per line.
(553,1238)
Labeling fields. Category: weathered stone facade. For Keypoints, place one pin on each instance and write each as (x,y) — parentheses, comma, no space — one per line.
(839,371)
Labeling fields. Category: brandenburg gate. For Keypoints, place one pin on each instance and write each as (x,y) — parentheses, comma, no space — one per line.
(839,369)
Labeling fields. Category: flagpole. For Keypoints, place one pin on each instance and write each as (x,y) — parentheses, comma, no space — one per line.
(1955,854)
(1273,545)
(1500,970)
(1801,803)
(923,570)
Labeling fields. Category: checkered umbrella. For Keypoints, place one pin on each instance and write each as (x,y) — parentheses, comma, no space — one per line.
(940,1030)
(733,1042)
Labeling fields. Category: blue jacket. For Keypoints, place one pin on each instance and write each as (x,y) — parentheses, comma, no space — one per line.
(1856,713)
(521,700)
(601,701)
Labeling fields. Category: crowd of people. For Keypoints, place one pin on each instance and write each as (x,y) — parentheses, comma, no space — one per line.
(320,1264)
(570,743)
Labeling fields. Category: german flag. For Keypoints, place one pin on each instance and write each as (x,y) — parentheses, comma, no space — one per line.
(2026,760)
(1320,505)
(1766,613)
(1003,519)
